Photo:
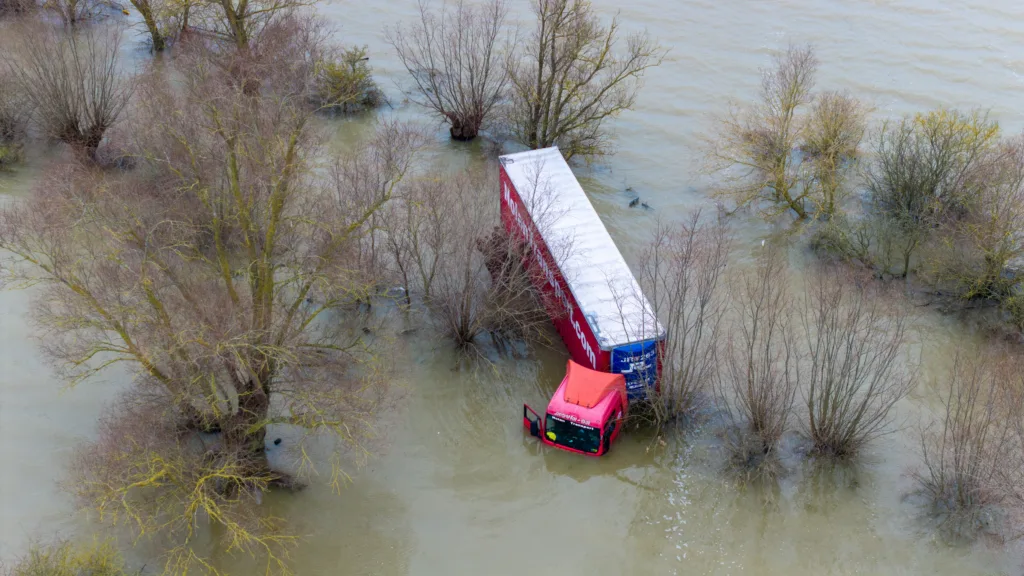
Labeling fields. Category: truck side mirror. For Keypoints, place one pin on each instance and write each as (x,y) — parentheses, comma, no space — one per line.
(531,421)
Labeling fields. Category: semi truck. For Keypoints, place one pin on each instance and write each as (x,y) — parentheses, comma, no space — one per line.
(596,304)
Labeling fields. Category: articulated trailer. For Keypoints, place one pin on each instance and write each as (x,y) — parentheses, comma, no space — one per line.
(593,298)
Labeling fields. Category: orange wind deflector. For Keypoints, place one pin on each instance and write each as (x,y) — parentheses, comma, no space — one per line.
(586,388)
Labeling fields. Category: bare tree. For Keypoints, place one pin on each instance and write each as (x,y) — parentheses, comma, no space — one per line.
(759,376)
(680,271)
(420,229)
(856,369)
(72,82)
(239,22)
(445,238)
(754,147)
(968,452)
(73,12)
(456,59)
(570,78)
(211,273)
(165,20)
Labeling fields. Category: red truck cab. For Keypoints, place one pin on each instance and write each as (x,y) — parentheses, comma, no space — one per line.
(585,414)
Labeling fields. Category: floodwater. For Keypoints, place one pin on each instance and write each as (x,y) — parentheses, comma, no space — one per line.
(457,488)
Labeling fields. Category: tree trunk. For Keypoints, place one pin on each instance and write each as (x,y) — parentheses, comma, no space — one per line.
(463,132)
(245,432)
(159,44)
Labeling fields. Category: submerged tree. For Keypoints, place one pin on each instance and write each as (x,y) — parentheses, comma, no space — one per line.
(755,146)
(344,81)
(221,270)
(571,77)
(855,370)
(457,61)
(165,20)
(979,245)
(926,169)
(445,240)
(835,128)
(72,82)
(760,357)
(969,450)
(681,273)
(774,156)
(73,13)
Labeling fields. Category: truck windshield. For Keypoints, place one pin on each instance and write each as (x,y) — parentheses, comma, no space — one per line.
(572,435)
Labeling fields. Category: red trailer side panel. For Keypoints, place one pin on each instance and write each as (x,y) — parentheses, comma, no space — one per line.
(563,308)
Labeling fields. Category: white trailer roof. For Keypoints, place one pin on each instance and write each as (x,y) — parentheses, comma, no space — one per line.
(597,274)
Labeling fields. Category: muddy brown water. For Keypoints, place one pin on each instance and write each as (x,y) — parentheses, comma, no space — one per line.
(456,487)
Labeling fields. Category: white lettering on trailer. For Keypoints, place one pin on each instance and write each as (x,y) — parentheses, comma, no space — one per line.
(549,275)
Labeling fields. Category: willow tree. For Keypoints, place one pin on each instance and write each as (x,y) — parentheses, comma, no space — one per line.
(754,147)
(927,169)
(983,242)
(759,378)
(456,60)
(835,128)
(71,82)
(223,273)
(241,21)
(573,75)
(854,370)
(165,20)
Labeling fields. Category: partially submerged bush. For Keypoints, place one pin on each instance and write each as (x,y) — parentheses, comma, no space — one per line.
(750,460)
(445,240)
(759,375)
(72,83)
(65,559)
(928,169)
(681,273)
(874,242)
(966,452)
(855,370)
(928,166)
(774,156)
(1014,307)
(345,82)
(978,245)
(456,58)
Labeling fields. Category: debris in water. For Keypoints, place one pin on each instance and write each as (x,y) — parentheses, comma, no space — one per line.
(634,202)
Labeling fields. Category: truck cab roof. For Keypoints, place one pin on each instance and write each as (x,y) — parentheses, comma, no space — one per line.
(587,394)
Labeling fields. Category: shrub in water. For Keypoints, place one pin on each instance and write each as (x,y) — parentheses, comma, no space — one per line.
(345,82)
(63,559)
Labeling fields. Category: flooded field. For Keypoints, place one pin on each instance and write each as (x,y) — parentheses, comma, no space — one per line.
(456,486)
